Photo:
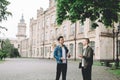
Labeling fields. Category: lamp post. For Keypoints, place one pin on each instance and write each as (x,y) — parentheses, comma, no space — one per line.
(117,45)
(75,39)
(113,42)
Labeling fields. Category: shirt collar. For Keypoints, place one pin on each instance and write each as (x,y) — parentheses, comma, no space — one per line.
(61,45)
(85,46)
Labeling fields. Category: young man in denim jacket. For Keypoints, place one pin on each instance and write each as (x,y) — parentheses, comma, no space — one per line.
(61,54)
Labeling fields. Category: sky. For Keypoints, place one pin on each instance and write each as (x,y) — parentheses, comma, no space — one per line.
(18,7)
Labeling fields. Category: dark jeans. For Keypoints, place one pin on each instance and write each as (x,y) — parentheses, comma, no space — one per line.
(86,73)
(61,68)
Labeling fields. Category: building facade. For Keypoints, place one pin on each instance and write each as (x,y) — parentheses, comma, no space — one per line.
(21,37)
(44,33)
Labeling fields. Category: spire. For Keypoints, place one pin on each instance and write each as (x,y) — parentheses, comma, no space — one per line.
(22,19)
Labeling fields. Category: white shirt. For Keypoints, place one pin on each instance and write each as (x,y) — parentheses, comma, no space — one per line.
(64,54)
(83,60)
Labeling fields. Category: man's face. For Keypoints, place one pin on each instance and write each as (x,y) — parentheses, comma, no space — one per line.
(84,42)
(61,41)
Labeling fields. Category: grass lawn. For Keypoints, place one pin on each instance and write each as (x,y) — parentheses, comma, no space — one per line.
(1,61)
(96,63)
(115,72)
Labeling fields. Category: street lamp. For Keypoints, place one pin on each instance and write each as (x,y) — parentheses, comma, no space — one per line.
(113,42)
(117,45)
(75,39)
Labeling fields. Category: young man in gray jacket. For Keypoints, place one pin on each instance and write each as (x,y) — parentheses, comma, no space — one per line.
(87,60)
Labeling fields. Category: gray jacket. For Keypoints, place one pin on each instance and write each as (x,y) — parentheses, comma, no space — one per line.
(88,57)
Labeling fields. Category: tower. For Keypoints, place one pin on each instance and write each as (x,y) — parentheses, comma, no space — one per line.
(21,35)
(51,3)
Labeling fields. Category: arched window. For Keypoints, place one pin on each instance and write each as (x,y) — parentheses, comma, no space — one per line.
(42,50)
(92,44)
(80,48)
(65,31)
(119,47)
(71,49)
(46,51)
(81,27)
(37,51)
(72,29)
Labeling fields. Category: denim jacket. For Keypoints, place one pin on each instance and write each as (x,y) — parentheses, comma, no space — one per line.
(58,53)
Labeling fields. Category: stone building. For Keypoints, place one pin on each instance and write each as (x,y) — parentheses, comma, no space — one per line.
(21,36)
(14,42)
(24,48)
(44,33)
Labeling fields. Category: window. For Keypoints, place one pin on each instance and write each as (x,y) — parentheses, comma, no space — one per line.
(38,38)
(119,47)
(46,36)
(52,19)
(48,22)
(42,50)
(46,50)
(65,31)
(72,29)
(51,35)
(71,49)
(92,44)
(81,27)
(58,32)
(37,51)
(80,48)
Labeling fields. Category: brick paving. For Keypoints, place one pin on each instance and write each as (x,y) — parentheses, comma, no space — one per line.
(44,69)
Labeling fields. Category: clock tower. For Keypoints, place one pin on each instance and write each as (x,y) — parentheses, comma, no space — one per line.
(21,35)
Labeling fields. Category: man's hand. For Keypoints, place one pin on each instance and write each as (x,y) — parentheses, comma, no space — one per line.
(62,58)
(68,55)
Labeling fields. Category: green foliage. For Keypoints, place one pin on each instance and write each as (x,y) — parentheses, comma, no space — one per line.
(115,72)
(15,53)
(9,49)
(3,55)
(3,10)
(7,46)
(104,11)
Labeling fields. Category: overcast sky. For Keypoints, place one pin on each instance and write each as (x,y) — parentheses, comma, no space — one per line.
(18,7)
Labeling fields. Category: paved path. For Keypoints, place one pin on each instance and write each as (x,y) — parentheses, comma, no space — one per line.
(43,69)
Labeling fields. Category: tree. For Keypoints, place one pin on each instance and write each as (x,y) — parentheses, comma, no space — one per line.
(103,11)
(3,10)
(16,53)
(9,49)
(3,53)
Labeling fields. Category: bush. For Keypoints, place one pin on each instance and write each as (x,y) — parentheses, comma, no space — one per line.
(3,55)
(113,65)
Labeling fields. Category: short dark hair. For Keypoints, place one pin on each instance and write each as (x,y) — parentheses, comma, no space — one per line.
(59,38)
(87,39)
